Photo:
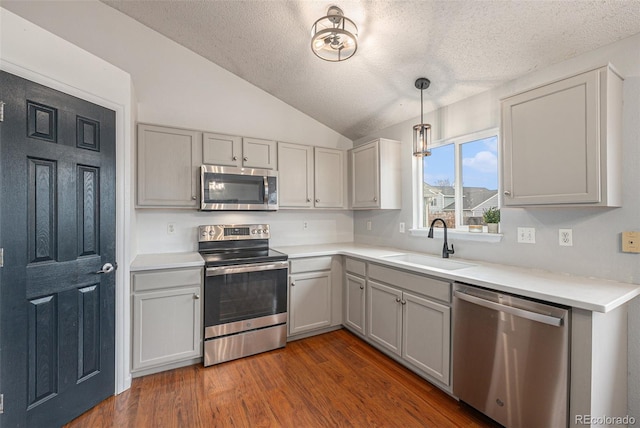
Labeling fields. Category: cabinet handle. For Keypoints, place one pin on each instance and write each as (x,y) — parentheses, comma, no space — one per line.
(397,300)
(362,287)
(317,200)
(404,302)
(245,158)
(194,197)
(234,158)
(293,283)
(375,199)
(507,193)
(308,199)
(196,296)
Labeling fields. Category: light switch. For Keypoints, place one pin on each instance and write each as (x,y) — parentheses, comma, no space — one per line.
(631,242)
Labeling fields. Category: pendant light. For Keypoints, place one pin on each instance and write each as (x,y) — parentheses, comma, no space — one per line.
(422,131)
(334,37)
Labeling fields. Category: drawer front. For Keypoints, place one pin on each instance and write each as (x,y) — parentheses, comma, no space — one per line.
(423,285)
(166,278)
(356,266)
(311,264)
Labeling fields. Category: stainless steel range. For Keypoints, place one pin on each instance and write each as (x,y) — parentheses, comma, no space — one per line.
(245,292)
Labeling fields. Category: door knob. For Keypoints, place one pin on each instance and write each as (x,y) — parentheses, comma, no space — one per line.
(106,268)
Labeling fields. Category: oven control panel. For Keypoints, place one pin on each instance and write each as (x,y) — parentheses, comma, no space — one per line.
(233,232)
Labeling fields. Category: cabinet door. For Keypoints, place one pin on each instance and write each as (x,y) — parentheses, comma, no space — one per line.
(329,178)
(167,326)
(168,167)
(220,149)
(365,192)
(551,143)
(295,175)
(355,303)
(427,336)
(384,310)
(257,153)
(310,301)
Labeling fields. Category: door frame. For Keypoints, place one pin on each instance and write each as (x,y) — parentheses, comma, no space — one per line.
(124,206)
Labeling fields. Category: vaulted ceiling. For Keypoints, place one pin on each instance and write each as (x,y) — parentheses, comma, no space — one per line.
(464,47)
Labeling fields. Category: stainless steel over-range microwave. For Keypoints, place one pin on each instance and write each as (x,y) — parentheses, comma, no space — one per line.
(225,188)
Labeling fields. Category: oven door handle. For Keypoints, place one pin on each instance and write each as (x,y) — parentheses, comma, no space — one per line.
(256,267)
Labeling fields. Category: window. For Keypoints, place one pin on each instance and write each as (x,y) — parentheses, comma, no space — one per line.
(459,181)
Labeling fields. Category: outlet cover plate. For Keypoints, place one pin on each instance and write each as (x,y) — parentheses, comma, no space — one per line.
(526,235)
(565,237)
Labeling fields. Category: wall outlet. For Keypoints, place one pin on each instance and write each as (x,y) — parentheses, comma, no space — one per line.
(526,235)
(305,225)
(171,228)
(368,224)
(565,237)
(401,228)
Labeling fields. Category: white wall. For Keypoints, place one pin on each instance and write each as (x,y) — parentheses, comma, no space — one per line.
(596,231)
(30,52)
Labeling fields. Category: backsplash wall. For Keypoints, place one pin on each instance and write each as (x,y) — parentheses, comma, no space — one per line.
(287,227)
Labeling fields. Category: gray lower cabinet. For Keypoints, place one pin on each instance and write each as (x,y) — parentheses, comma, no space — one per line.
(407,315)
(167,319)
(354,303)
(315,302)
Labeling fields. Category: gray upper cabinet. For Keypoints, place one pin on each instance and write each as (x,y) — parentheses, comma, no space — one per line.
(258,153)
(562,142)
(231,150)
(220,149)
(295,176)
(329,178)
(310,176)
(168,167)
(375,175)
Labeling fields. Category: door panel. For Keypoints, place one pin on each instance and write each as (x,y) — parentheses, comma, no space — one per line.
(57,228)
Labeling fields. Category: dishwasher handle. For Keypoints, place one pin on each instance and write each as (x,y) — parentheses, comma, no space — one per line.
(522,313)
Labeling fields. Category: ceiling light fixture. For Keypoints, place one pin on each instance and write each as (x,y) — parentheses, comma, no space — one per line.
(334,37)
(422,131)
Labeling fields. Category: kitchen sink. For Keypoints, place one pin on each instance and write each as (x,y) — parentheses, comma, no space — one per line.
(428,261)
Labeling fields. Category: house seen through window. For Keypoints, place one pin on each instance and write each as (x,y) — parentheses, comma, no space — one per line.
(460,180)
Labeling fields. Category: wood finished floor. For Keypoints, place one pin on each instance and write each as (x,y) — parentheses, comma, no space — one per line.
(330,380)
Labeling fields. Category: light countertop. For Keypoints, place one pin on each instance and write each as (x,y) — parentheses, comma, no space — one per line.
(593,294)
(166,261)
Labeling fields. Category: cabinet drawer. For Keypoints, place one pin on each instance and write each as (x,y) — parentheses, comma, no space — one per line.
(424,285)
(356,266)
(310,265)
(166,278)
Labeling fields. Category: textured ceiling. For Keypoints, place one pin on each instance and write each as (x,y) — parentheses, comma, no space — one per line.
(463,47)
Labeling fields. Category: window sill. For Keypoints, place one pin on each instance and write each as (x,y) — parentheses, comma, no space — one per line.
(438,232)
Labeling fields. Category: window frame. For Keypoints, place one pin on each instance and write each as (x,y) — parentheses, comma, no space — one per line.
(418,177)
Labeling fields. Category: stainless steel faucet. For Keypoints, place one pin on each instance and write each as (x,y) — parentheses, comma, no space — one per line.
(445,249)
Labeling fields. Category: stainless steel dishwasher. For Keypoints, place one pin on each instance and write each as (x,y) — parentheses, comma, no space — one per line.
(511,357)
